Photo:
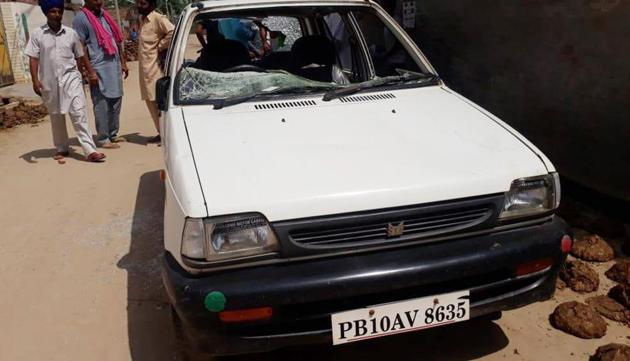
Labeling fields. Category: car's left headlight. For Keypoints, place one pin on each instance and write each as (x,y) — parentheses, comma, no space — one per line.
(229,237)
(531,196)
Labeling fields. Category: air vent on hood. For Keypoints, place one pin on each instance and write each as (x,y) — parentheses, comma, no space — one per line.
(283,105)
(367,98)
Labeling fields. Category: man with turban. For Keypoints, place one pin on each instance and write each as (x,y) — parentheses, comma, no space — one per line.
(102,40)
(53,50)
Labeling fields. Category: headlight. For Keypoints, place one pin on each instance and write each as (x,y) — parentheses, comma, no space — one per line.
(531,196)
(230,237)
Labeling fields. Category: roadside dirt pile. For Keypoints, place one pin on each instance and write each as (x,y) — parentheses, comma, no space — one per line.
(18,111)
(620,272)
(621,293)
(579,276)
(579,320)
(612,352)
(591,247)
(610,309)
(131,50)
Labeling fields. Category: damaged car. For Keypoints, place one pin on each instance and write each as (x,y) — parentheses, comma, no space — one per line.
(323,184)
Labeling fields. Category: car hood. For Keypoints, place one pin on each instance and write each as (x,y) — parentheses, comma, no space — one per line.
(406,147)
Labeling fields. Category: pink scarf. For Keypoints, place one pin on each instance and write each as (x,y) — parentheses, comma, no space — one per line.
(104,41)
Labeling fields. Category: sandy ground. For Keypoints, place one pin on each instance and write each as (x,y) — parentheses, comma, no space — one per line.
(79,267)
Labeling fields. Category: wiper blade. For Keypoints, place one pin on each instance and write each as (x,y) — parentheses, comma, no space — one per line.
(221,103)
(374,83)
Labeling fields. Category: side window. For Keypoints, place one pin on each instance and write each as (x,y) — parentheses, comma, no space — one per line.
(387,52)
(284,32)
(346,45)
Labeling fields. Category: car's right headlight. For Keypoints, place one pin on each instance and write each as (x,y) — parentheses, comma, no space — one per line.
(230,237)
(531,196)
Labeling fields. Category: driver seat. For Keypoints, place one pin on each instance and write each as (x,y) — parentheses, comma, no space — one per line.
(312,57)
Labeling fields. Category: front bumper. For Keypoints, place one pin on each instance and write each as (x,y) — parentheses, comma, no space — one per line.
(304,294)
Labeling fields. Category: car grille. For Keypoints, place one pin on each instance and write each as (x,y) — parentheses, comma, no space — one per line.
(386,228)
(392,229)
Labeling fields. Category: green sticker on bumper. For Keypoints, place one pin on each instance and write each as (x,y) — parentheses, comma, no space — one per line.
(214,301)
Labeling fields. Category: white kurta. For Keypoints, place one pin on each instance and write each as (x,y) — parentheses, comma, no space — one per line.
(58,72)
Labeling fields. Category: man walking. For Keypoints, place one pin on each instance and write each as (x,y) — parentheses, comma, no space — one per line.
(102,40)
(53,50)
(156,32)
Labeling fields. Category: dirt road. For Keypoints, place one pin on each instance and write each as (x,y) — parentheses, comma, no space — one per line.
(79,267)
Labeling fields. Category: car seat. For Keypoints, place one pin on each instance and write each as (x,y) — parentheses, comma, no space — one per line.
(312,57)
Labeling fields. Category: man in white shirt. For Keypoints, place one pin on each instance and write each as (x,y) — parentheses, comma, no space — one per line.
(53,50)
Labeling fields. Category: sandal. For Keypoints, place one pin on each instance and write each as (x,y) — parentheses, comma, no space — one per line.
(96,157)
(60,155)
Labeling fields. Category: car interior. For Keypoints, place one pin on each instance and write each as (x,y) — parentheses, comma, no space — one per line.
(317,43)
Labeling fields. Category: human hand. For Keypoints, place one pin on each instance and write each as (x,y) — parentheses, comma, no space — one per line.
(37,87)
(125,71)
(93,79)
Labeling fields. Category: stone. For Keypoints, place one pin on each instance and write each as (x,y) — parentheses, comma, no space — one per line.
(610,309)
(579,276)
(578,320)
(591,247)
(621,294)
(612,352)
(620,272)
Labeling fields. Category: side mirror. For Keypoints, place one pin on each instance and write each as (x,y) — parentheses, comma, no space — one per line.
(161,92)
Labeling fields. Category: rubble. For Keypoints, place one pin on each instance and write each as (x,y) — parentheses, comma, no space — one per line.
(578,320)
(621,294)
(620,272)
(610,309)
(579,276)
(591,247)
(18,111)
(612,352)
(131,50)
(560,284)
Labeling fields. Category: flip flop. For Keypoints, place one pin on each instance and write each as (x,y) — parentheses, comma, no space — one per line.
(96,157)
(60,155)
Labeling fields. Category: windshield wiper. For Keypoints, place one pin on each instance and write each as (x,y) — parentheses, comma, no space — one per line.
(220,103)
(404,76)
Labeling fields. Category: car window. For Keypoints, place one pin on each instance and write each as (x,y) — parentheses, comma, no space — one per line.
(386,50)
(284,31)
(305,48)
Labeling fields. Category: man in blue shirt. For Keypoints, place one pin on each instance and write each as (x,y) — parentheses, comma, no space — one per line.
(108,91)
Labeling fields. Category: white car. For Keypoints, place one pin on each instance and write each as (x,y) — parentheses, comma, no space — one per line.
(324,185)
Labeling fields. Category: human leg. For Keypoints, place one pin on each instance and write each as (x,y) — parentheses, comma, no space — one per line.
(78,116)
(59,132)
(100,116)
(113,116)
(155,113)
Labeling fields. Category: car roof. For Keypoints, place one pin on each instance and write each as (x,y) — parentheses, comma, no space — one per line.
(254,3)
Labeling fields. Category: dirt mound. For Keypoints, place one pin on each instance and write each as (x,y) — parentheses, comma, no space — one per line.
(612,352)
(578,320)
(620,272)
(591,247)
(621,294)
(22,113)
(131,50)
(579,276)
(610,308)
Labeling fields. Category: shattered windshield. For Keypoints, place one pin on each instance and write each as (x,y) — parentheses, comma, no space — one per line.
(197,85)
(235,56)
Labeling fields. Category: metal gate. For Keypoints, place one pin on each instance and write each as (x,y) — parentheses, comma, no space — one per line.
(6,73)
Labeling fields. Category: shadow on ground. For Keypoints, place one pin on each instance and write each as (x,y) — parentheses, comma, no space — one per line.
(151,336)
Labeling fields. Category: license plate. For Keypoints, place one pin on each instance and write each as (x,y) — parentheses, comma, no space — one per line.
(399,317)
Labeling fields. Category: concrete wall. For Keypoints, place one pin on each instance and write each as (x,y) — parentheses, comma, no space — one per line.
(556,70)
(11,13)
(16,36)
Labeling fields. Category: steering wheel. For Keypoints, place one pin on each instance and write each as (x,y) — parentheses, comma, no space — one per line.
(245,67)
